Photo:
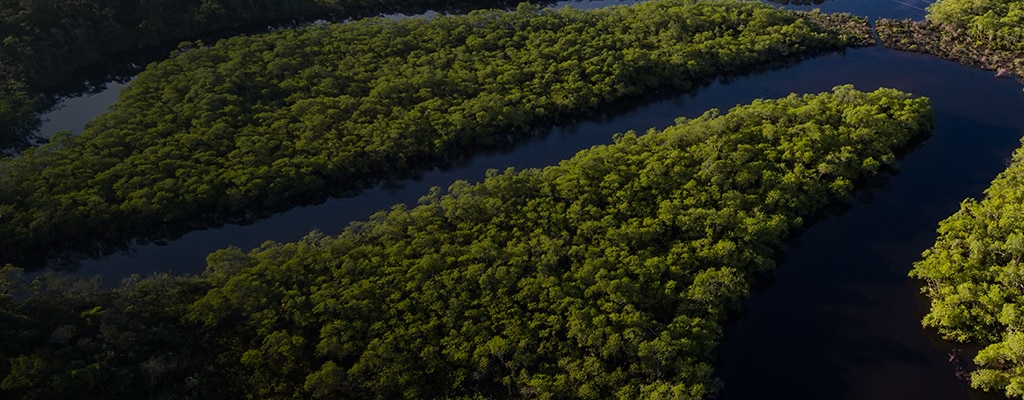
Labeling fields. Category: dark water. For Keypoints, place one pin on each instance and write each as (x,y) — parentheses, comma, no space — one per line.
(839,319)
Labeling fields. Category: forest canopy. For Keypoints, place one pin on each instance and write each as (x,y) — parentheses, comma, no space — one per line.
(993,23)
(43,43)
(255,124)
(973,275)
(607,276)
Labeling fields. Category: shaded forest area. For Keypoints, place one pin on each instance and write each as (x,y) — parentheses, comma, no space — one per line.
(606,276)
(44,43)
(261,123)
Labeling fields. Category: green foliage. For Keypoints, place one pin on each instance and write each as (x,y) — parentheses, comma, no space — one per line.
(986,34)
(261,123)
(607,276)
(1003,363)
(996,24)
(44,42)
(974,275)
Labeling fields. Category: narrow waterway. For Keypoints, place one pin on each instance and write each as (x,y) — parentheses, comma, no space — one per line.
(839,319)
(187,254)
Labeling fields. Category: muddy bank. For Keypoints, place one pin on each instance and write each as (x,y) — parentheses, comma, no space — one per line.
(950,43)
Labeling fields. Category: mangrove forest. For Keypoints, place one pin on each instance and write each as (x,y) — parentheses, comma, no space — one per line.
(609,275)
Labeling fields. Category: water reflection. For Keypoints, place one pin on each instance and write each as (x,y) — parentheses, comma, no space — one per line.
(72,113)
(78,99)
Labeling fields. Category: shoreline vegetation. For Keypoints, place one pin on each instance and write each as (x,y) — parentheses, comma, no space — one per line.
(950,43)
(609,275)
(260,123)
(973,276)
(973,273)
(986,34)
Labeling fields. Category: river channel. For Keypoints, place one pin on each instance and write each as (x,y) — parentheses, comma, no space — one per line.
(839,319)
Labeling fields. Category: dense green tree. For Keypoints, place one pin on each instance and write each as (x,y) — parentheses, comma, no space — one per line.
(973,275)
(44,44)
(260,123)
(609,275)
(70,339)
(995,23)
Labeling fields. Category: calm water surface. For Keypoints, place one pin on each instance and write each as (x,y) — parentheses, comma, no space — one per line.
(839,319)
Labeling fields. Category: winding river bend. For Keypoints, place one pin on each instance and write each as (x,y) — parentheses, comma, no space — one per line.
(839,319)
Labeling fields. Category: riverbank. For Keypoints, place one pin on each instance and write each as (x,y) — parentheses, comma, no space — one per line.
(948,42)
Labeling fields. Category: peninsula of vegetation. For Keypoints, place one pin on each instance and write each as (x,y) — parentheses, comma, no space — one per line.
(987,34)
(607,276)
(256,124)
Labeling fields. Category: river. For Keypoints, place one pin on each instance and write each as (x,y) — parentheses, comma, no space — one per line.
(839,319)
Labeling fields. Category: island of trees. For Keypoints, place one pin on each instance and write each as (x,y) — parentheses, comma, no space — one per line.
(607,276)
(260,123)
